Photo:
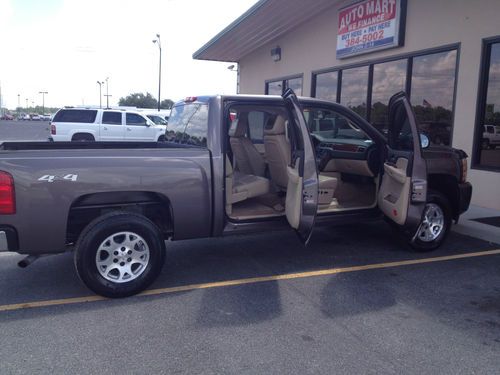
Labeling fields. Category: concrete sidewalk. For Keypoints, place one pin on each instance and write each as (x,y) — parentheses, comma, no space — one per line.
(476,229)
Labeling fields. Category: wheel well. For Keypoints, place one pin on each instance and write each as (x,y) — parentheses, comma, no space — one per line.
(83,135)
(448,186)
(85,209)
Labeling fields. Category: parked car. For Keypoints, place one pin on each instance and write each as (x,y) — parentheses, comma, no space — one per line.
(117,206)
(7,116)
(46,117)
(158,120)
(86,124)
(35,117)
(491,136)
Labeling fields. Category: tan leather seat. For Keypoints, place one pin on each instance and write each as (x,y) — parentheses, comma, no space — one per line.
(277,151)
(248,160)
(241,186)
(327,186)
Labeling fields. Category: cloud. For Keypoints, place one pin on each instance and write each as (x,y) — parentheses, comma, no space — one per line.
(67,50)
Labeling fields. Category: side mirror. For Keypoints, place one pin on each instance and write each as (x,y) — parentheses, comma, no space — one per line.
(149,123)
(424,141)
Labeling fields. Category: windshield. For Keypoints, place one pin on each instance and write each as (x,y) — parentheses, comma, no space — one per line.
(329,126)
(188,124)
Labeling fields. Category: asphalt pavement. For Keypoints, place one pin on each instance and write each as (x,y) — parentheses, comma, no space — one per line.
(427,317)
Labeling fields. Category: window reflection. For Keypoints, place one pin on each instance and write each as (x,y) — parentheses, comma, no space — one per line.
(489,147)
(275,88)
(295,84)
(354,89)
(388,79)
(432,89)
(326,86)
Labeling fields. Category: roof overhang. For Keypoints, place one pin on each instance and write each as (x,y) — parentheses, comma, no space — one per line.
(261,24)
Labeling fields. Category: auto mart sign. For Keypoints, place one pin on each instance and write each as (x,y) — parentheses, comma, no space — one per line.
(370,25)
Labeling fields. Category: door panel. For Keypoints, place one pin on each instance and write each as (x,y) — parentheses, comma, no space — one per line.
(111,127)
(403,192)
(136,128)
(304,167)
(394,195)
(293,205)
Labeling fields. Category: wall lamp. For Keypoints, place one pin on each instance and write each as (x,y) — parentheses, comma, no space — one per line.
(276,54)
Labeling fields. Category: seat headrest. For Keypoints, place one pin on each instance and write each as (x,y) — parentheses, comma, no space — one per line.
(278,127)
(239,126)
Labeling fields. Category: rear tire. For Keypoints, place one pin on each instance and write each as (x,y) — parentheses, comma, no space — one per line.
(435,225)
(119,254)
(485,144)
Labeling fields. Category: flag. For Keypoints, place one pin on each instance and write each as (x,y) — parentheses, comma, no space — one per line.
(426,104)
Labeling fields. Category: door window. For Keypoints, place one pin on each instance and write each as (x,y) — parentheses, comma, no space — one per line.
(112,118)
(401,137)
(135,119)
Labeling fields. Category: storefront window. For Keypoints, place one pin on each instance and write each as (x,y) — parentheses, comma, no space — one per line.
(488,135)
(326,86)
(355,89)
(432,89)
(278,87)
(274,88)
(388,79)
(295,84)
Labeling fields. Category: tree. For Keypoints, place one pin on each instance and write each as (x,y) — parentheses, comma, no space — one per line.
(140,100)
(166,104)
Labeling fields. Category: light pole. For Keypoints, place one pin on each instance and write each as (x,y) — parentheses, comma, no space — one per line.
(18,105)
(43,100)
(157,41)
(26,104)
(100,93)
(107,92)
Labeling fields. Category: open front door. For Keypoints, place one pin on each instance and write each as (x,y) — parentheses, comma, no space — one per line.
(302,190)
(403,191)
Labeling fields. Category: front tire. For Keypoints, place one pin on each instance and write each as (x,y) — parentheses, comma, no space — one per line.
(119,254)
(435,225)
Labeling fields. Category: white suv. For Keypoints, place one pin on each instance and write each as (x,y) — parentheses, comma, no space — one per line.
(86,124)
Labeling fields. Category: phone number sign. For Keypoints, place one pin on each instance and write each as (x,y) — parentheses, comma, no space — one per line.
(370,25)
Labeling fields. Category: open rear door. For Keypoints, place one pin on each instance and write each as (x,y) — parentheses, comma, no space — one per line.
(403,191)
(302,190)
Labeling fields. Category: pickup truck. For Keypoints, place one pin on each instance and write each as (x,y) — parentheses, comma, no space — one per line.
(229,164)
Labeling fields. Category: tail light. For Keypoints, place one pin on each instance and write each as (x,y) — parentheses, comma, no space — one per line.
(53,129)
(7,194)
(464,170)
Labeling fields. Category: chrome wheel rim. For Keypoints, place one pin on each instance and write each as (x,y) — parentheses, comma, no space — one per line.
(432,224)
(122,257)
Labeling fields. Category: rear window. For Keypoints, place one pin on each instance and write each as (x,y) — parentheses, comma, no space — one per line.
(75,115)
(188,124)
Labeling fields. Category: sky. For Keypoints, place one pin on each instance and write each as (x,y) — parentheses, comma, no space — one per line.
(65,46)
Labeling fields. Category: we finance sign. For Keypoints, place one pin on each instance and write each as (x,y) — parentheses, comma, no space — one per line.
(370,25)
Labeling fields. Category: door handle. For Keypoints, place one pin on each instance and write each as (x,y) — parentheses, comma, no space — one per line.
(129,129)
(105,128)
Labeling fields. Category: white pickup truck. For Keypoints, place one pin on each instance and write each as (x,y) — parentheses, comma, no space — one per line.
(491,136)
(86,124)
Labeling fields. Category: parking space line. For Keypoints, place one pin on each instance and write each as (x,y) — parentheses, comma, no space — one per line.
(252,280)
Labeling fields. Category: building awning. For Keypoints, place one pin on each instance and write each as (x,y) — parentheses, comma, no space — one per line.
(263,22)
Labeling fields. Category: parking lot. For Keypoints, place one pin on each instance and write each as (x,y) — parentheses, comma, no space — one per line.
(347,303)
